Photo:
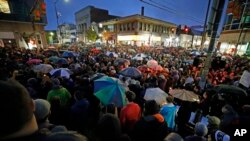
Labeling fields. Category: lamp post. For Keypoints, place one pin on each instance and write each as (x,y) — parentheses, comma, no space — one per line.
(57,22)
(203,39)
(57,19)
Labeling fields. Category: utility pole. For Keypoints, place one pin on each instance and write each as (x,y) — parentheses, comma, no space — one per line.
(244,14)
(31,16)
(214,21)
(33,23)
(203,38)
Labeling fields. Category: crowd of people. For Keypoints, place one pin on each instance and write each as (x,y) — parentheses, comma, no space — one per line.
(38,105)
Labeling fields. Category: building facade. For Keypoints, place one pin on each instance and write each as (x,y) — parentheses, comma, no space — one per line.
(235,37)
(67,33)
(22,23)
(138,30)
(86,17)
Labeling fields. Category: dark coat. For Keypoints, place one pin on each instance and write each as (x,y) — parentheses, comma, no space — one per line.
(150,128)
(79,114)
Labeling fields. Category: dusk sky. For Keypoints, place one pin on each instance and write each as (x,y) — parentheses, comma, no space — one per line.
(189,12)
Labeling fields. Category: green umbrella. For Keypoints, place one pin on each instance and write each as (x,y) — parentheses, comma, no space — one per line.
(53,59)
(110,91)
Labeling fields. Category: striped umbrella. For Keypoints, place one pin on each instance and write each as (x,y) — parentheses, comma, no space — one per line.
(110,90)
(62,72)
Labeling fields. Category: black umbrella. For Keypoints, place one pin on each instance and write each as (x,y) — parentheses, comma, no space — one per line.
(102,56)
(230,89)
(227,94)
(96,76)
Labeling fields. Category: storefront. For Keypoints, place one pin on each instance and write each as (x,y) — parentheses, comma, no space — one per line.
(229,39)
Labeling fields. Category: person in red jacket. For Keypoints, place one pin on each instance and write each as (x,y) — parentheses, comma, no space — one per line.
(130,114)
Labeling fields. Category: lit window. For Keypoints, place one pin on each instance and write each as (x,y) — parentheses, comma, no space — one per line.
(4,6)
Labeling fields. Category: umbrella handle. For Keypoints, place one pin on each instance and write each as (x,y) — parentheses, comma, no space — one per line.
(116,111)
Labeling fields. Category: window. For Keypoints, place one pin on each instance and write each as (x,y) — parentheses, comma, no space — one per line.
(4,6)
(140,26)
(128,26)
(111,28)
(148,27)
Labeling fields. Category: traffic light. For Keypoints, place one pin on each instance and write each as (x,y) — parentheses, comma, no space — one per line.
(43,8)
(186,29)
(37,15)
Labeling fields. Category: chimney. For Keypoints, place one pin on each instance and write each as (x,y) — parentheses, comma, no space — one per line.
(142,11)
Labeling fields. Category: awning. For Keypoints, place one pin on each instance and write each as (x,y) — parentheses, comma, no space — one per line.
(7,35)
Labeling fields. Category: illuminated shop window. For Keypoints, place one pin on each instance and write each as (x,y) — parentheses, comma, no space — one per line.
(4,6)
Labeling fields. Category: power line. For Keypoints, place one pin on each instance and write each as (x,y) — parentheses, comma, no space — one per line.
(170,3)
(173,10)
(170,11)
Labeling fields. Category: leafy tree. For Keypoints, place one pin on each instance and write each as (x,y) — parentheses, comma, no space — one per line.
(91,34)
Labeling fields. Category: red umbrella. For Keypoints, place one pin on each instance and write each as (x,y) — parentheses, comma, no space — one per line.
(144,69)
(34,61)
(158,68)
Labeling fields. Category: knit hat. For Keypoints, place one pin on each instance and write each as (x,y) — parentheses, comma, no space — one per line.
(173,137)
(213,121)
(42,109)
(200,129)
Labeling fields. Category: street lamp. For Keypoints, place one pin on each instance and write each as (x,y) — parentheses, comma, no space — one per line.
(55,2)
(52,39)
(57,18)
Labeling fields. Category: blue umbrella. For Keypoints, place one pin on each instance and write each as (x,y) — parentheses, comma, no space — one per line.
(131,72)
(62,72)
(112,54)
(68,54)
(62,61)
(110,91)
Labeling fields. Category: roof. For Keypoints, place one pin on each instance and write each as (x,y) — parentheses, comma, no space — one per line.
(138,16)
(89,7)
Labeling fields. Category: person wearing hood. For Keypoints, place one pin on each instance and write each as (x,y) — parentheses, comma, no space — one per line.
(229,120)
(79,112)
(59,92)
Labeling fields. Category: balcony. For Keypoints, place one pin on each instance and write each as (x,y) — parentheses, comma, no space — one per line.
(20,18)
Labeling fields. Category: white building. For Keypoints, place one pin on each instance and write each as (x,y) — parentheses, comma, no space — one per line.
(86,17)
(138,30)
(66,33)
